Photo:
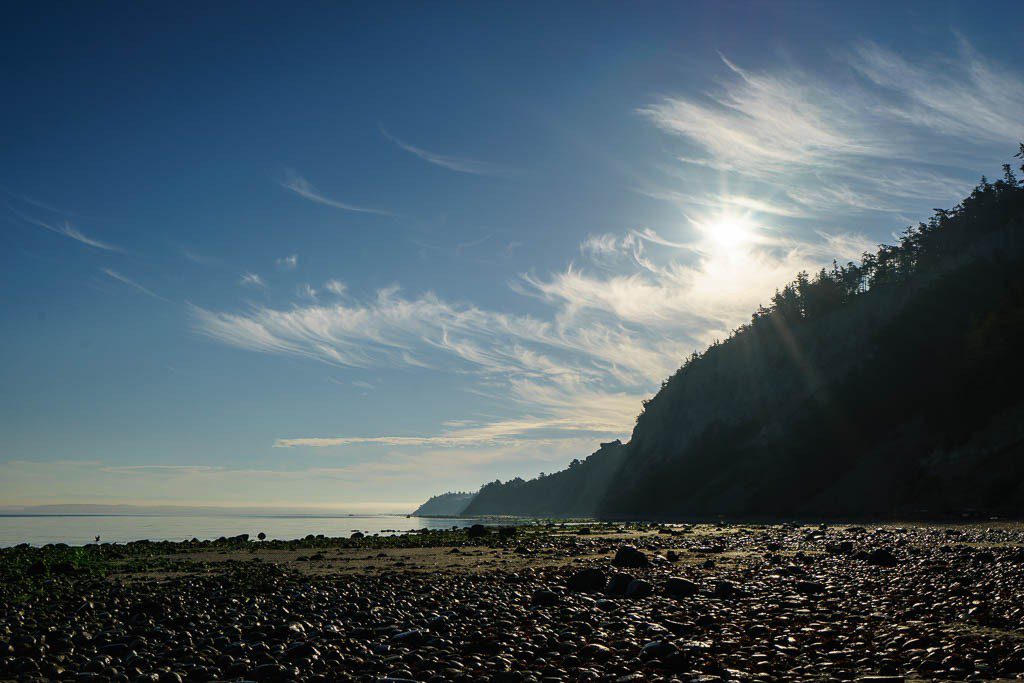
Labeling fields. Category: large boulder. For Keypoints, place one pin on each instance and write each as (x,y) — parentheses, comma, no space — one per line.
(657,649)
(595,652)
(545,598)
(618,584)
(882,557)
(678,587)
(628,556)
(411,638)
(638,588)
(590,580)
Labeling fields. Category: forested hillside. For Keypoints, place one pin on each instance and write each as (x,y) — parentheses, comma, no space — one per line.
(444,505)
(882,388)
(573,492)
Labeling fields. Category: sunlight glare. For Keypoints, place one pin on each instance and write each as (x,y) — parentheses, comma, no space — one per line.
(729,231)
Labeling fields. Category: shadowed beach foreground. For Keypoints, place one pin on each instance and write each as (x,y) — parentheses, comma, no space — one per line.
(620,603)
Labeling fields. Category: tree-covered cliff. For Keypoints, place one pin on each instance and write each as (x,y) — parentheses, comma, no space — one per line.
(881,388)
(444,505)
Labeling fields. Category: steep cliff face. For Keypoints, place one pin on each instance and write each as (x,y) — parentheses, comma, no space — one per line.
(889,387)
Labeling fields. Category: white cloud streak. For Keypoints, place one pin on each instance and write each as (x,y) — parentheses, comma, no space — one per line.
(251,280)
(592,414)
(336,287)
(452,163)
(68,230)
(770,122)
(817,143)
(305,189)
(113,274)
(967,97)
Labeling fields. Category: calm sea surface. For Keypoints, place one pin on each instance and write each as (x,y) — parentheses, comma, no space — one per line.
(81,529)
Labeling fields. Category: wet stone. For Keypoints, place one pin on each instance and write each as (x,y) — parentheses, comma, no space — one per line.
(618,584)
(628,556)
(678,587)
(590,580)
(638,588)
(882,557)
(950,608)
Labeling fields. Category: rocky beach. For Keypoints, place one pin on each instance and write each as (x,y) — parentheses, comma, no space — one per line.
(528,603)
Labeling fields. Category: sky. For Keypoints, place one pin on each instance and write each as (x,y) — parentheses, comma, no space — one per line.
(351,255)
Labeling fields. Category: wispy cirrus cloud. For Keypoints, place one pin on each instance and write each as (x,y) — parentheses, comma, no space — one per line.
(252,280)
(768,123)
(688,200)
(290,262)
(66,229)
(603,244)
(62,226)
(592,415)
(966,96)
(706,296)
(195,256)
(336,287)
(611,332)
(872,135)
(302,187)
(469,244)
(30,200)
(452,163)
(123,279)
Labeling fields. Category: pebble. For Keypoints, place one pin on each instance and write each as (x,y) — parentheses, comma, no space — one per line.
(780,603)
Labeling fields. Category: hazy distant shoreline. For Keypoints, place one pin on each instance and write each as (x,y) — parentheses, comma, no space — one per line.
(197,510)
(352,515)
(83,528)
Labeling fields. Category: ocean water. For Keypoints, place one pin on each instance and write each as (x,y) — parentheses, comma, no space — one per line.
(82,529)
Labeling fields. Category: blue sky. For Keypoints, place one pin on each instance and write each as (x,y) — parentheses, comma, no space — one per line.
(353,255)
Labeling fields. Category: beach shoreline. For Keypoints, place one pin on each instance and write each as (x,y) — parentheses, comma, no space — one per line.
(538,602)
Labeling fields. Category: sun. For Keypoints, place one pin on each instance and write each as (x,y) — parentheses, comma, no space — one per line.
(728,232)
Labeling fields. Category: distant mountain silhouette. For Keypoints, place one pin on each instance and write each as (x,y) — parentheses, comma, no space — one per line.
(886,388)
(445,505)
